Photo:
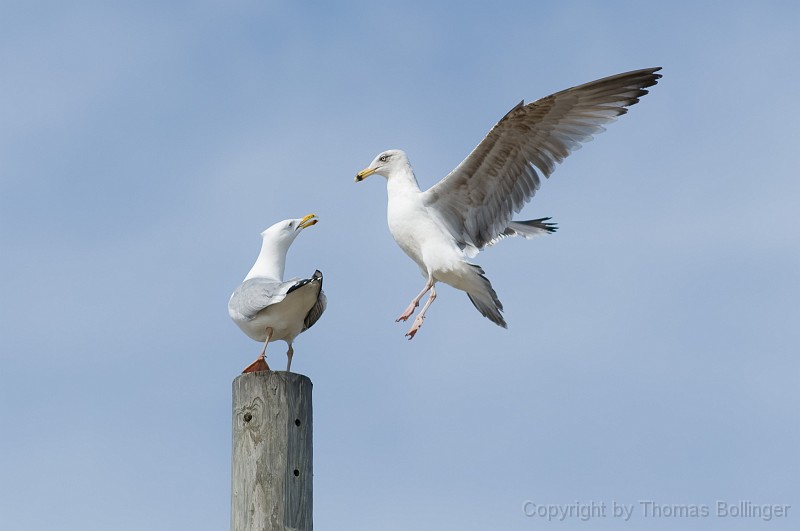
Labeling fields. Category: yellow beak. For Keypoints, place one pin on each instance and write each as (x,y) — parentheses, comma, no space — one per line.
(307,221)
(363,174)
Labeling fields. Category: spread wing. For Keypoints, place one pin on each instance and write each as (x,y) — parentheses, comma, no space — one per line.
(255,294)
(476,201)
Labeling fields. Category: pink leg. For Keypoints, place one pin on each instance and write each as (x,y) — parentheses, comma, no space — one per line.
(418,321)
(415,302)
(261,362)
(289,354)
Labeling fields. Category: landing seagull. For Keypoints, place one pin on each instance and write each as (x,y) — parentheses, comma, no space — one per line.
(268,309)
(471,208)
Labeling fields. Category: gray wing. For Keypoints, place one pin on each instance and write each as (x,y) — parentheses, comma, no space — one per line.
(315,312)
(254,295)
(476,201)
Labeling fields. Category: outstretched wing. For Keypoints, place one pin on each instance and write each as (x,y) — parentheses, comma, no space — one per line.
(476,201)
(254,295)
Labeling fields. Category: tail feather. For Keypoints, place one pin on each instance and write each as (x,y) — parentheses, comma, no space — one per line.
(486,301)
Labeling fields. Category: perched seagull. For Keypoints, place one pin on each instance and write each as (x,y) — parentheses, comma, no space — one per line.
(471,208)
(268,309)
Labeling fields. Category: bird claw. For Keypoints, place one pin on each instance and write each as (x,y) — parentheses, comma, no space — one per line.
(415,327)
(407,313)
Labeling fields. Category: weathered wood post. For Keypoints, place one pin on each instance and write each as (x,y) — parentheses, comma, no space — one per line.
(272,452)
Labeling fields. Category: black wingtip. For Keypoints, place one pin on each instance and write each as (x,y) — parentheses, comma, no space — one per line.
(540,223)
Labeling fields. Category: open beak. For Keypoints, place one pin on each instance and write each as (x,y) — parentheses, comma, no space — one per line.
(363,174)
(307,221)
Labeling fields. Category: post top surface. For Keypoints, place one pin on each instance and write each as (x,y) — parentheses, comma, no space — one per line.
(288,377)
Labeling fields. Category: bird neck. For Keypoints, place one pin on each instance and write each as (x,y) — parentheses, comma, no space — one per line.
(270,262)
(402,180)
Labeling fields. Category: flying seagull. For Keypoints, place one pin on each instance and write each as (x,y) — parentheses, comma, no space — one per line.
(268,309)
(471,208)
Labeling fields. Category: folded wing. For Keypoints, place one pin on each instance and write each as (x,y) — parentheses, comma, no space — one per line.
(254,295)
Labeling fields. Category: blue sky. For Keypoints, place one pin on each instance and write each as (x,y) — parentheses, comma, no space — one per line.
(652,344)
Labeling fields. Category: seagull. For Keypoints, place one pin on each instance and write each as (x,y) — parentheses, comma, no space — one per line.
(268,309)
(471,208)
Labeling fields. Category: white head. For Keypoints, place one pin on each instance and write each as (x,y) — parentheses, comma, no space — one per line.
(385,164)
(283,233)
(275,243)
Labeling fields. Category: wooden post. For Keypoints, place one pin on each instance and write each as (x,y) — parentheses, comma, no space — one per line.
(272,452)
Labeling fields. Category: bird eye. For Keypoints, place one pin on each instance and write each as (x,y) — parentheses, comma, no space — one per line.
(383,158)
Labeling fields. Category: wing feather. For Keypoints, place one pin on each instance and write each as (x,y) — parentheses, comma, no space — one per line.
(254,295)
(477,200)
(315,312)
